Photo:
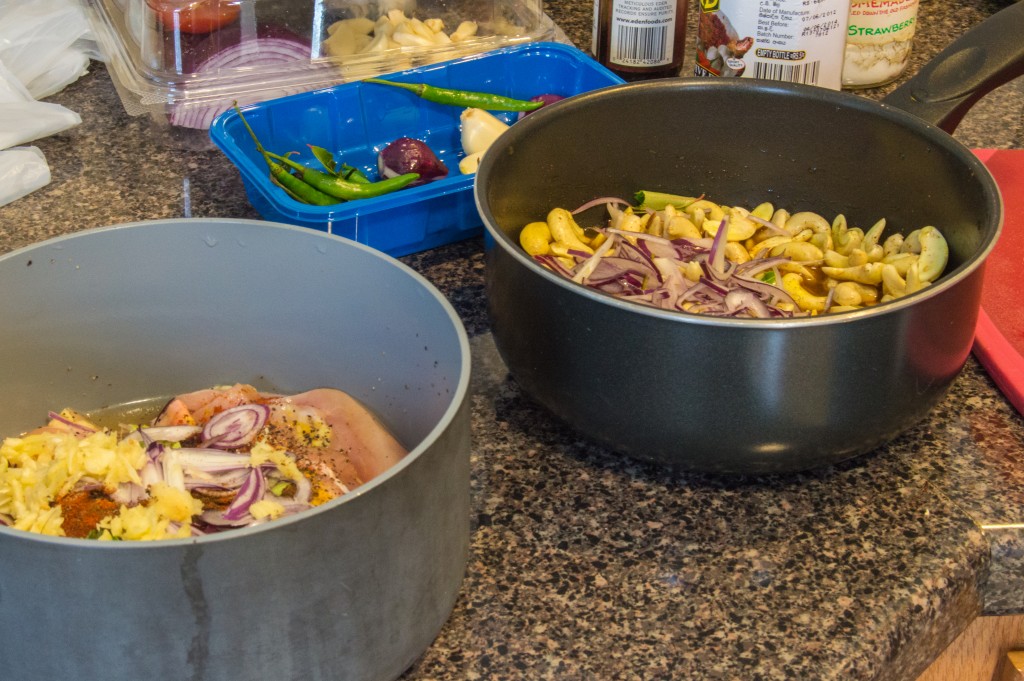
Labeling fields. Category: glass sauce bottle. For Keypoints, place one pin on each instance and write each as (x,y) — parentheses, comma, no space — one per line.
(640,39)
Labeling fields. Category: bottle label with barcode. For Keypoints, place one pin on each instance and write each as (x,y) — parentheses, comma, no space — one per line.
(642,32)
(798,41)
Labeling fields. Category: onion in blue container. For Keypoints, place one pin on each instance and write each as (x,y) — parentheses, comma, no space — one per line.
(408,155)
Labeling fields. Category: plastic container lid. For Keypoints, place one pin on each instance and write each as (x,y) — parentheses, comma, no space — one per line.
(185,61)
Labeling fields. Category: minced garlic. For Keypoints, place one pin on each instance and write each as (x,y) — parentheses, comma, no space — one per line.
(266,508)
(154,520)
(262,453)
(36,469)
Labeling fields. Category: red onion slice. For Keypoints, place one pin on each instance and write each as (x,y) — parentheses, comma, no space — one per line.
(77,427)
(271,52)
(604,200)
(769,224)
(216,520)
(251,491)
(229,480)
(163,433)
(212,460)
(173,474)
(716,257)
(129,493)
(236,426)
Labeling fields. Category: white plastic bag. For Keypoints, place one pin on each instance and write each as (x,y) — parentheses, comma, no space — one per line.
(23,119)
(22,170)
(65,68)
(44,46)
(40,39)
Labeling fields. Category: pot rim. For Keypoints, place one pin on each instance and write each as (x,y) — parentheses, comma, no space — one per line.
(524,128)
(458,396)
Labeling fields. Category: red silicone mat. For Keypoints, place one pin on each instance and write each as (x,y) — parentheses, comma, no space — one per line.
(999,339)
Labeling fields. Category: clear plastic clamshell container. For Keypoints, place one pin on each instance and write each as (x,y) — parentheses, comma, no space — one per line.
(182,62)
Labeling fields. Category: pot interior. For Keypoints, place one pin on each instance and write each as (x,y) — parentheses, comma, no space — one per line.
(740,143)
(143,311)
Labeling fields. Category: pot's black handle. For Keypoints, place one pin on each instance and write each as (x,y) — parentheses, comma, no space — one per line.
(979,61)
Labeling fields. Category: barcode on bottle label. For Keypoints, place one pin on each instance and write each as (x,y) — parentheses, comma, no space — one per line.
(640,45)
(791,73)
(642,32)
(797,41)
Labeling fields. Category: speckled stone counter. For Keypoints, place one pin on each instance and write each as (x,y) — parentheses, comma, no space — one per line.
(587,566)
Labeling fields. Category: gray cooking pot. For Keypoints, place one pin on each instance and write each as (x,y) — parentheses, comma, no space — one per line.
(354,589)
(733,395)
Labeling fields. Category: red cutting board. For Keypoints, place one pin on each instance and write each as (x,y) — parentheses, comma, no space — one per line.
(999,338)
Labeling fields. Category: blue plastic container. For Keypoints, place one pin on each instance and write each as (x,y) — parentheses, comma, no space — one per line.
(354,121)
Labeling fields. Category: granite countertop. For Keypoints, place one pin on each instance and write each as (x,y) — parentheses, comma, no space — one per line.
(584,565)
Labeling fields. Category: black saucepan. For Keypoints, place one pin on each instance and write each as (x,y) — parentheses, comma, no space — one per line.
(735,395)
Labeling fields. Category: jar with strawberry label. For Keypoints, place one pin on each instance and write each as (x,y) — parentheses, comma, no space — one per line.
(800,41)
(878,41)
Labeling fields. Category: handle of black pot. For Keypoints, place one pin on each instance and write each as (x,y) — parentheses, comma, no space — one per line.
(979,61)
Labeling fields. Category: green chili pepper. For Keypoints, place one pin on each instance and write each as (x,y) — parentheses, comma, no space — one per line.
(343,189)
(475,100)
(325,157)
(295,187)
(323,183)
(346,172)
(352,174)
(658,200)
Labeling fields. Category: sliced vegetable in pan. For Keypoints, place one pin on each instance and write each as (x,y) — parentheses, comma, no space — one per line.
(690,254)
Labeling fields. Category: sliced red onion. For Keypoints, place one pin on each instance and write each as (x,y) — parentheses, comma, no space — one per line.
(210,459)
(129,493)
(714,286)
(604,200)
(230,480)
(216,520)
(773,294)
(230,50)
(554,264)
(150,474)
(408,155)
(290,507)
(236,427)
(758,265)
(77,427)
(829,299)
(769,224)
(715,274)
(249,493)
(717,255)
(163,433)
(173,474)
(155,451)
(744,300)
(645,269)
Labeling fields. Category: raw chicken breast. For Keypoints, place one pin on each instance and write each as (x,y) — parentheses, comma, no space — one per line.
(336,441)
